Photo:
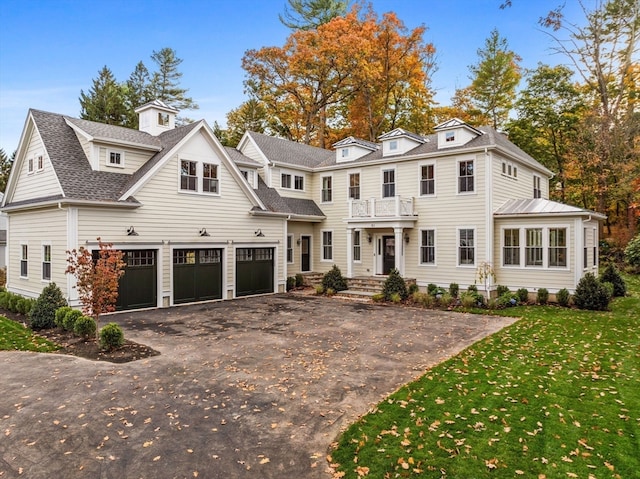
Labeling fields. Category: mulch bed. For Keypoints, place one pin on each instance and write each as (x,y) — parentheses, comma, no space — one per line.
(88,349)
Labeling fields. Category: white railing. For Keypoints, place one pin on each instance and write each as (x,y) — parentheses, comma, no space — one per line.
(381,207)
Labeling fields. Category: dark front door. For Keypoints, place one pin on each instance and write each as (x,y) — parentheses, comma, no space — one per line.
(138,285)
(388,254)
(197,275)
(305,253)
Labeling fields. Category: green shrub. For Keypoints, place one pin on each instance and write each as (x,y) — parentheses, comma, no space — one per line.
(542,296)
(432,288)
(319,289)
(24,305)
(563,297)
(609,288)
(523,295)
(502,290)
(611,275)
(394,284)
(291,283)
(472,288)
(492,304)
(329,291)
(4,299)
(43,313)
(445,300)
(69,321)
(13,303)
(632,252)
(85,327)
(299,280)
(377,298)
(480,300)
(111,337)
(454,289)
(468,300)
(60,314)
(423,299)
(591,294)
(506,300)
(334,280)
(395,298)
(412,288)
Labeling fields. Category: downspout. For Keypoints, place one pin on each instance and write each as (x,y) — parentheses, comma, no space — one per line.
(489,208)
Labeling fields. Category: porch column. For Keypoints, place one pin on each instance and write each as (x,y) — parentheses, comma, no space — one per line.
(399,250)
(350,252)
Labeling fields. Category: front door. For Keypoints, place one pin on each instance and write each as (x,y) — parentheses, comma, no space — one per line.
(305,253)
(388,254)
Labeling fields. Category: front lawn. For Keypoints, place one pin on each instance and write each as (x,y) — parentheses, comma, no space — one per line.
(556,395)
(15,337)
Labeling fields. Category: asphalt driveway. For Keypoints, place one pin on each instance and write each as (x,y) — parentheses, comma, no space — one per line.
(251,388)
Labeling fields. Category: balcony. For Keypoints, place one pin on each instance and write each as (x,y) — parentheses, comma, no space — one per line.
(379,208)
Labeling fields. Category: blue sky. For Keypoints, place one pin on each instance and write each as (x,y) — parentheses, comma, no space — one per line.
(50,50)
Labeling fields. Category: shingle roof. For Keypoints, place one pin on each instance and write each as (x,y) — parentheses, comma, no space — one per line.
(540,207)
(284,151)
(351,140)
(116,133)
(398,132)
(240,159)
(72,168)
(280,204)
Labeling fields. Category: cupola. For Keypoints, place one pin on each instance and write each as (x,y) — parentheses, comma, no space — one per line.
(156,117)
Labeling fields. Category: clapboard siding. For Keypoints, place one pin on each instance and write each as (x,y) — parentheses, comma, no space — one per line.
(38,184)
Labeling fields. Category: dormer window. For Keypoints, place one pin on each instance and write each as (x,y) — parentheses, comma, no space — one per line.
(115,158)
(345,153)
(450,136)
(393,145)
(163,119)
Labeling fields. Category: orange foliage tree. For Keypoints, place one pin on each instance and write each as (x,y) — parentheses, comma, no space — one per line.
(96,279)
(354,75)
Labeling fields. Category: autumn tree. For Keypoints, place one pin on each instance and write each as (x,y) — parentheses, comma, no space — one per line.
(104,101)
(310,14)
(495,78)
(96,278)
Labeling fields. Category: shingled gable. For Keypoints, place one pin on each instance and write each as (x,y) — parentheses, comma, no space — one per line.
(278,151)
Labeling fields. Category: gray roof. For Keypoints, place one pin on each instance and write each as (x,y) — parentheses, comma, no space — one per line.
(399,132)
(281,204)
(541,207)
(116,133)
(279,150)
(241,159)
(351,140)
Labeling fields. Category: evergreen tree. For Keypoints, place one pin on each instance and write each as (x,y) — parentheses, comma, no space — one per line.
(310,14)
(137,93)
(5,168)
(165,82)
(104,102)
(495,78)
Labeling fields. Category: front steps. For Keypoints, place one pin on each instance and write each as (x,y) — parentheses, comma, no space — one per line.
(361,288)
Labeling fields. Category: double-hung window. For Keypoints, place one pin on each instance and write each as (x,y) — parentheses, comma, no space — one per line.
(511,247)
(533,247)
(427,180)
(466,247)
(327,245)
(327,190)
(46,262)
(354,186)
(298,183)
(24,260)
(388,183)
(209,178)
(188,175)
(428,247)
(115,158)
(289,248)
(466,177)
(557,247)
(357,245)
(285,180)
(537,190)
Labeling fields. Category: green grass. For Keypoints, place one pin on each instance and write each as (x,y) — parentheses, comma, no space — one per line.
(15,337)
(556,395)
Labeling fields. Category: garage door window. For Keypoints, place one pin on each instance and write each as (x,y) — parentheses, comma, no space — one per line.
(184,256)
(141,258)
(209,256)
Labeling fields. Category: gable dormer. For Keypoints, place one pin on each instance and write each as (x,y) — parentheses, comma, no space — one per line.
(455,132)
(156,117)
(351,149)
(399,142)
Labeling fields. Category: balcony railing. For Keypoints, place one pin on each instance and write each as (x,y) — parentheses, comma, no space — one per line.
(381,207)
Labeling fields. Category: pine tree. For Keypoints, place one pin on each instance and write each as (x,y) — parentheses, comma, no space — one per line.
(310,14)
(137,93)
(165,82)
(104,102)
(5,168)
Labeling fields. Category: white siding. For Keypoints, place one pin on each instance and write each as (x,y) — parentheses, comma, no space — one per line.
(38,184)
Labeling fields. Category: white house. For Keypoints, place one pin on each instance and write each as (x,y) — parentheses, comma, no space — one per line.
(199,221)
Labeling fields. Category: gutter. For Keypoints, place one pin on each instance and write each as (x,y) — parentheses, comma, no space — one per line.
(59,203)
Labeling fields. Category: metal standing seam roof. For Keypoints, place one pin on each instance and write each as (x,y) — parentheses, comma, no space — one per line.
(540,207)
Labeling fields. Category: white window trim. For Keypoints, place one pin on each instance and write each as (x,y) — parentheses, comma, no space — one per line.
(293,174)
(353,245)
(349,173)
(475,247)
(596,248)
(394,145)
(509,165)
(475,177)
(31,166)
(23,243)
(42,245)
(37,166)
(290,241)
(435,182)
(322,245)
(545,246)
(539,186)
(395,181)
(115,165)
(435,248)
(333,190)
(345,152)
(199,161)
(450,137)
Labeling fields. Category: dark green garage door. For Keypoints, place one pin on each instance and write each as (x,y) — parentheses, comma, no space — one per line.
(197,275)
(138,285)
(254,271)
